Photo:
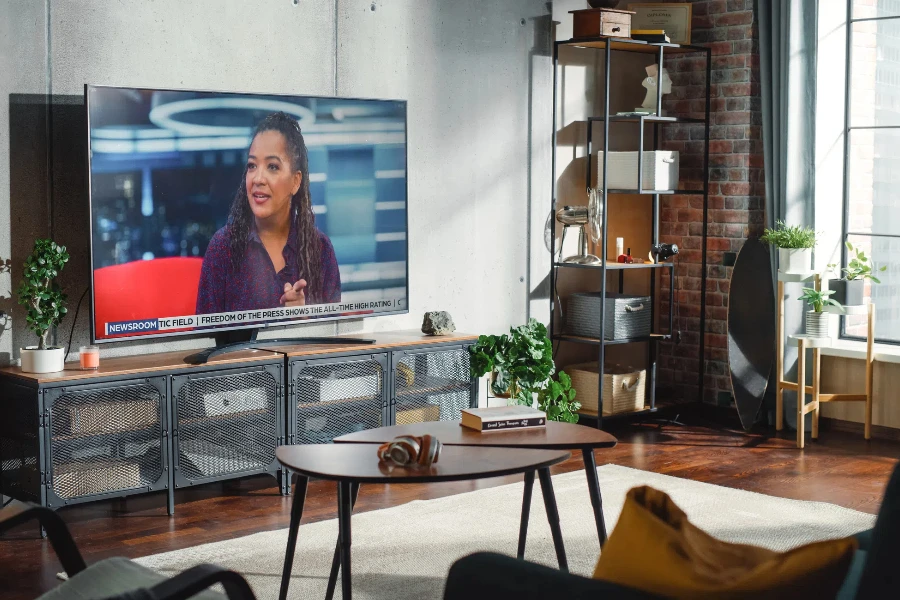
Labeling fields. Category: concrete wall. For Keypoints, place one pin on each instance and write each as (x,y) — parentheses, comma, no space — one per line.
(476,74)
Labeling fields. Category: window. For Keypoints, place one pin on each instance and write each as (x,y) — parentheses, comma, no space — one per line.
(872,168)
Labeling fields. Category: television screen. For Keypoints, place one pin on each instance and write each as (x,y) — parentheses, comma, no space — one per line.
(214,210)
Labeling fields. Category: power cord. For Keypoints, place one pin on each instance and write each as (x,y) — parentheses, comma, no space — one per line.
(74,320)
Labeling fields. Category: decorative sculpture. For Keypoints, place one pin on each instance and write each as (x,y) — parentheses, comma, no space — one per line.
(651,82)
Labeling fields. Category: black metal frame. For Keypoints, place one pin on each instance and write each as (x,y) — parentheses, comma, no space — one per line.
(627,44)
(395,358)
(845,232)
(273,468)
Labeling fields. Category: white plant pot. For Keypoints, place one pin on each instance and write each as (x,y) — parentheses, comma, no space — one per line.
(817,324)
(42,361)
(795,260)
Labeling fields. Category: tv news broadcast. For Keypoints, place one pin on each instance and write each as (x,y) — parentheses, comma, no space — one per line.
(214,210)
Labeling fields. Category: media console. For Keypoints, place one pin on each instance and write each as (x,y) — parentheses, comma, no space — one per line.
(154,422)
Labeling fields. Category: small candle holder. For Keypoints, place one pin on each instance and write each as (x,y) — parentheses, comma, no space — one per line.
(89,357)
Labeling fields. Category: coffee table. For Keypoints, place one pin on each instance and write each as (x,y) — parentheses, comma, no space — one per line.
(353,464)
(555,436)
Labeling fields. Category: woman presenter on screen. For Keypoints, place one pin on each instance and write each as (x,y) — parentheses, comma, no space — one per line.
(270,253)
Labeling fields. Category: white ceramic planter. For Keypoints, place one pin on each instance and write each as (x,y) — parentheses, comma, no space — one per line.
(42,361)
(795,260)
(817,324)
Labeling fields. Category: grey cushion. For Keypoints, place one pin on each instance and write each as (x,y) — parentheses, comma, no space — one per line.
(109,578)
(854,574)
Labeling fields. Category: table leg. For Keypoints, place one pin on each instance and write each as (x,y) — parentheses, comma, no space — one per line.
(553,517)
(526,510)
(296,514)
(344,511)
(336,559)
(590,469)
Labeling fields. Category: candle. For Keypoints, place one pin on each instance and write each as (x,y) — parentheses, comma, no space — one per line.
(90,357)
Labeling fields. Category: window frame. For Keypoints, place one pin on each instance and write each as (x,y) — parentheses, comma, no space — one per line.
(848,129)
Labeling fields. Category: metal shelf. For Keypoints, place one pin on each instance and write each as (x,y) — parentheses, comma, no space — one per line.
(660,192)
(648,119)
(615,266)
(579,339)
(630,45)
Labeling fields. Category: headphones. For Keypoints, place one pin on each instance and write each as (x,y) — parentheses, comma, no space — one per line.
(411,450)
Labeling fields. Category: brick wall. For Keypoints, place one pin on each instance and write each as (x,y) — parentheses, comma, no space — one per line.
(736,194)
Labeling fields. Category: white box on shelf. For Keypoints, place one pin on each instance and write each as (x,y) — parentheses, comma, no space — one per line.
(660,170)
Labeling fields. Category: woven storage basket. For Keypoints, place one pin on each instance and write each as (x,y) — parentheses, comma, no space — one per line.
(660,170)
(626,316)
(624,388)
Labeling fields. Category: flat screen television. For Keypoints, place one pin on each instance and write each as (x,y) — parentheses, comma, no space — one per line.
(215,211)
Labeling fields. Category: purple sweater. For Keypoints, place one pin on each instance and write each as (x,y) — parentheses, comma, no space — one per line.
(256,285)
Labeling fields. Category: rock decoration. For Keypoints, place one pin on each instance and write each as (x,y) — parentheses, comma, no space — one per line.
(438,323)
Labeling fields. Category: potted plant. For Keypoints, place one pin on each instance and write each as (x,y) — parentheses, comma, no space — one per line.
(41,295)
(817,318)
(794,243)
(849,289)
(521,365)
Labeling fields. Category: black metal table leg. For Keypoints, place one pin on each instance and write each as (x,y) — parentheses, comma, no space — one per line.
(526,510)
(590,469)
(553,517)
(296,514)
(344,512)
(336,559)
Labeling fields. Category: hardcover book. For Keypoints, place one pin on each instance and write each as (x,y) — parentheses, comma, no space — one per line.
(503,417)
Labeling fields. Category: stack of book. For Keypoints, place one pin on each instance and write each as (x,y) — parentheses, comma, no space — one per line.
(503,417)
(652,36)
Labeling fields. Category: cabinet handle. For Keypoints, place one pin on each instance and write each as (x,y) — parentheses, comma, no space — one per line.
(615,29)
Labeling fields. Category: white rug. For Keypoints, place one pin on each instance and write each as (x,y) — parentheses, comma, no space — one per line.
(406,551)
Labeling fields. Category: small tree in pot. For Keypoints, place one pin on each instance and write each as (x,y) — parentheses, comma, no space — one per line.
(849,289)
(521,365)
(41,295)
(817,318)
(794,245)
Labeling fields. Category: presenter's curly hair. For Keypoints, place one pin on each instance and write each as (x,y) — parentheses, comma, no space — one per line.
(309,252)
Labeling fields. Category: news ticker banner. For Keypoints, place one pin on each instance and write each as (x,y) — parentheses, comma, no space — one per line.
(241,317)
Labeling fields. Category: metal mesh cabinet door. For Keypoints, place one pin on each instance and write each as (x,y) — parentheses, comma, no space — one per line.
(227,423)
(431,385)
(106,439)
(333,397)
(21,458)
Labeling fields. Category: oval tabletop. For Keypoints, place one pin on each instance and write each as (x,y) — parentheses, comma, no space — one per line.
(359,463)
(554,436)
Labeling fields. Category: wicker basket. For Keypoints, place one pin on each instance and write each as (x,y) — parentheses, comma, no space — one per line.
(624,388)
(626,316)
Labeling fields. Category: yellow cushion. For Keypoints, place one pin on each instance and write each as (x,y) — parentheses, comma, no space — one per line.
(656,549)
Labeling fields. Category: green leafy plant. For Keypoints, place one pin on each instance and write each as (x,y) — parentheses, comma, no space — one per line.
(521,363)
(557,399)
(789,236)
(819,300)
(859,267)
(39,291)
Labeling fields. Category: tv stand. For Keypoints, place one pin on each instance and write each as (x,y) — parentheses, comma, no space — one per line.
(199,358)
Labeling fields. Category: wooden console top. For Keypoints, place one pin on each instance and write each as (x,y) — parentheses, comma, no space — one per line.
(141,363)
(383,340)
(168,361)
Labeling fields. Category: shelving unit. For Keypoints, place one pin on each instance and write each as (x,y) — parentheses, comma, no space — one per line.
(804,342)
(610,46)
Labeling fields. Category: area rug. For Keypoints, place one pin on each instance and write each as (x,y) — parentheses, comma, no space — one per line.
(405,551)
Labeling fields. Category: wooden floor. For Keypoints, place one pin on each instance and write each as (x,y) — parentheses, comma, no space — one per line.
(841,468)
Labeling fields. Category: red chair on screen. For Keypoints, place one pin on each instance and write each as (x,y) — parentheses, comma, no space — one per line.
(145,289)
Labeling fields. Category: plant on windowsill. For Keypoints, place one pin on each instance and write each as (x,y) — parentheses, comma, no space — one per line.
(794,243)
(817,318)
(849,289)
(40,294)
(521,365)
